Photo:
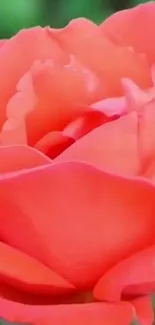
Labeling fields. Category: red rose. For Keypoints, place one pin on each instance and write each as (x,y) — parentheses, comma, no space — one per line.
(77,165)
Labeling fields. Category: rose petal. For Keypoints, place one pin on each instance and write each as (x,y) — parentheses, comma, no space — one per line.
(144,310)
(134,27)
(112,147)
(136,98)
(24,272)
(62,209)
(147,132)
(109,61)
(13,132)
(111,106)
(85,314)
(53,143)
(37,44)
(149,170)
(16,158)
(2,42)
(49,96)
(84,124)
(132,276)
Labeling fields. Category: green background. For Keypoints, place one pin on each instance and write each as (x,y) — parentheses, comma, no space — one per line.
(17,14)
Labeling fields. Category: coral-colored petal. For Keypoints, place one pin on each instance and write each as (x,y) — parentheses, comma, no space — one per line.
(19,106)
(37,44)
(132,276)
(136,98)
(147,132)
(58,214)
(49,96)
(2,42)
(53,143)
(134,27)
(108,60)
(62,93)
(112,147)
(144,310)
(86,123)
(149,170)
(85,314)
(24,272)
(15,158)
(13,133)
(111,106)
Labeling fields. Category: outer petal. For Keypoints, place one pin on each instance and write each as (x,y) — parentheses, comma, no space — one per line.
(15,158)
(23,272)
(17,56)
(62,209)
(85,314)
(109,61)
(134,27)
(112,147)
(132,276)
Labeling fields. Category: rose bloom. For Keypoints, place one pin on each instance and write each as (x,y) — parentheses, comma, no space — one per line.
(77,172)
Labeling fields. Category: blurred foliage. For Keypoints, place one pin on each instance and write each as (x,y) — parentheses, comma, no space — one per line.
(17,14)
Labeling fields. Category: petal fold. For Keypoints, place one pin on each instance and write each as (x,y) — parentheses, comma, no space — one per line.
(23,272)
(85,314)
(112,147)
(134,276)
(144,310)
(16,158)
(62,209)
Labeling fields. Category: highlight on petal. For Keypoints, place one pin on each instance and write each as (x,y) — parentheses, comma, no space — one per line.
(16,158)
(136,98)
(50,207)
(112,147)
(111,106)
(85,314)
(19,106)
(108,60)
(144,310)
(36,43)
(13,133)
(133,27)
(134,276)
(24,272)
(24,99)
